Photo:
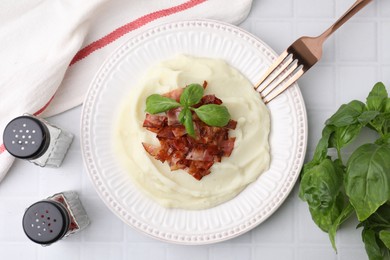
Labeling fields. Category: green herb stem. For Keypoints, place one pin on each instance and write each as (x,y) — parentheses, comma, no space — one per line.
(339,154)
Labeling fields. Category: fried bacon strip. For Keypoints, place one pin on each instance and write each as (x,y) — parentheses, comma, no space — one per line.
(179,150)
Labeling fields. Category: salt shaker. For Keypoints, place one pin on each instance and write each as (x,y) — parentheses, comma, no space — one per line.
(54,218)
(34,139)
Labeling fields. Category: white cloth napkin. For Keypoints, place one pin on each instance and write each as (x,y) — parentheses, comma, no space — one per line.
(51,49)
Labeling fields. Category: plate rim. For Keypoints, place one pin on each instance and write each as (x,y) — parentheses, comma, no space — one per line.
(89,163)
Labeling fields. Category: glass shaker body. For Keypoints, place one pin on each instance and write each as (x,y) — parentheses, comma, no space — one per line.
(36,140)
(54,218)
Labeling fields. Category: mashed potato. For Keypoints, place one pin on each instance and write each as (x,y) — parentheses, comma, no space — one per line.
(178,189)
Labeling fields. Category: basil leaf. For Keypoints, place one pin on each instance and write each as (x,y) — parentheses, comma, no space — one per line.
(367,182)
(345,135)
(384,235)
(213,115)
(325,219)
(191,95)
(367,116)
(182,115)
(376,234)
(381,123)
(156,103)
(344,215)
(377,98)
(385,139)
(387,105)
(373,250)
(320,184)
(347,114)
(321,151)
(186,116)
(379,219)
(320,187)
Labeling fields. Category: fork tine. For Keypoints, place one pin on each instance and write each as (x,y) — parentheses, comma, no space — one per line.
(271,69)
(283,75)
(297,74)
(276,73)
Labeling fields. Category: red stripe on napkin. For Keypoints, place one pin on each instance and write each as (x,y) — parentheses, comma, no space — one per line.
(2,148)
(43,108)
(119,32)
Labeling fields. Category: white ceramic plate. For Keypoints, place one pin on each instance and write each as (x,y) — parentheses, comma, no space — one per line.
(123,69)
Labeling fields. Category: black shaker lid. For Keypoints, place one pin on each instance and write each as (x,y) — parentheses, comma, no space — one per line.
(46,222)
(26,137)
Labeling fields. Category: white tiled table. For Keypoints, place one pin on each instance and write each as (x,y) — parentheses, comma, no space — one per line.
(354,59)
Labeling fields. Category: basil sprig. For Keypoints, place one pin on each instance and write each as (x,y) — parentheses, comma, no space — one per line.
(210,114)
(336,189)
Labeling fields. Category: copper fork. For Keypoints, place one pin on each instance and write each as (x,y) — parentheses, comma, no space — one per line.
(299,58)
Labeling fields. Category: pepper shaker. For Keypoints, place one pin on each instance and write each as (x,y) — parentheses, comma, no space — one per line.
(54,218)
(36,140)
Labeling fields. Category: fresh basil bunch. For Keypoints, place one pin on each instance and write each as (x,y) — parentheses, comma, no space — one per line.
(335,190)
(210,114)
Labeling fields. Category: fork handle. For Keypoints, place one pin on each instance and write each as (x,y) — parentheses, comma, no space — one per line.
(356,7)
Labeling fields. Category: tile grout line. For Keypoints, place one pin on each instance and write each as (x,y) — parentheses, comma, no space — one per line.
(336,66)
(379,45)
(378,29)
(124,240)
(295,227)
